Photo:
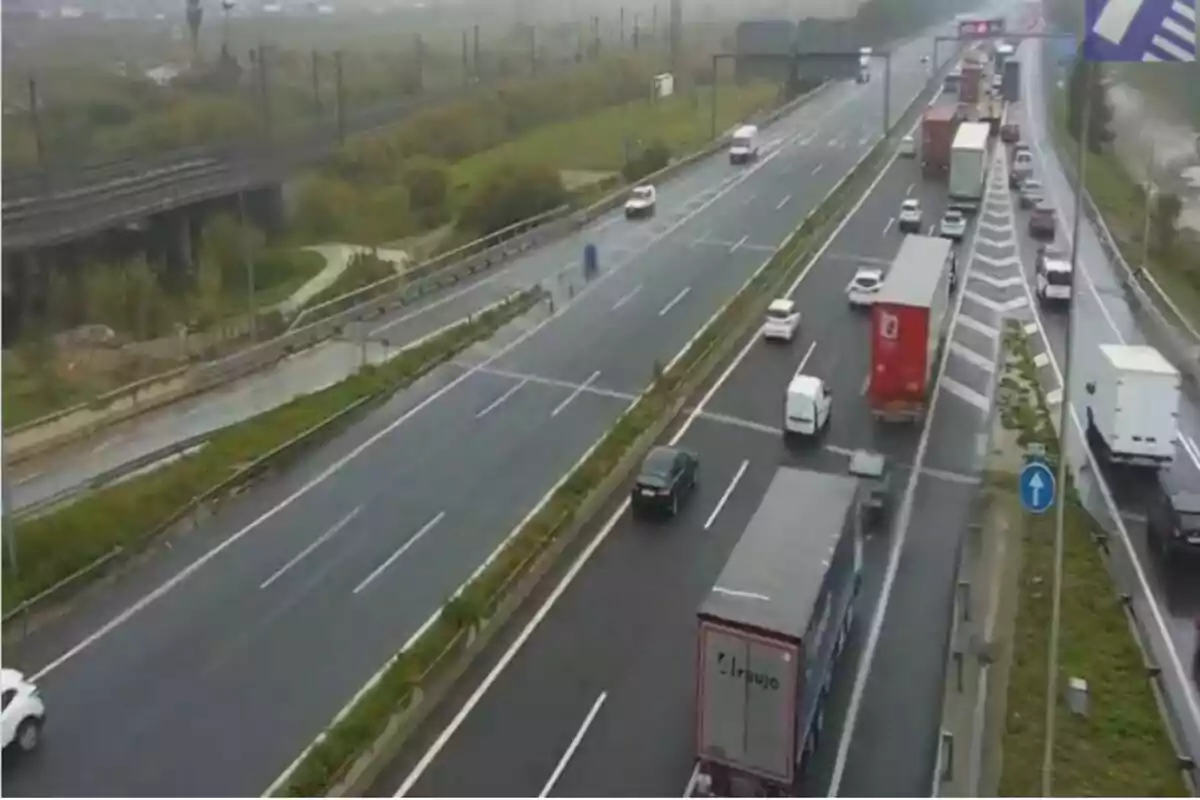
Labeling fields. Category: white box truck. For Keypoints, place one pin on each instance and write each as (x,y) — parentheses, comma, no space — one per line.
(968,166)
(770,634)
(1133,406)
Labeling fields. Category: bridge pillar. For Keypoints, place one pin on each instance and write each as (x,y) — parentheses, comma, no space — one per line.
(169,242)
(265,208)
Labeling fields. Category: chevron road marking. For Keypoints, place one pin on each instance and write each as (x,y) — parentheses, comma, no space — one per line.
(969,355)
(1007,261)
(965,393)
(978,327)
(999,283)
(1041,360)
(999,308)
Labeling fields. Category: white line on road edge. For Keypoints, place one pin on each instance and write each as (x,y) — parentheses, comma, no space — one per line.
(891,221)
(674,301)
(169,585)
(738,244)
(580,389)
(737,477)
(444,737)
(541,504)
(783,202)
(562,763)
(499,401)
(416,537)
(1176,663)
(324,537)
(893,566)
(627,297)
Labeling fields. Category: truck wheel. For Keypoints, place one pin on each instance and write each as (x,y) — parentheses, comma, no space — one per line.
(29,733)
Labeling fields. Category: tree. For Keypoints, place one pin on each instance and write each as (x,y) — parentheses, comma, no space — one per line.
(1164,222)
(512,193)
(1086,79)
(652,159)
(221,244)
(428,184)
(323,204)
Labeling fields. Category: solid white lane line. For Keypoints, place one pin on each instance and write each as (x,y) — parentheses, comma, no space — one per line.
(541,380)
(783,202)
(324,537)
(571,748)
(891,221)
(627,297)
(492,406)
(738,244)
(674,301)
(807,353)
(580,389)
(416,537)
(737,476)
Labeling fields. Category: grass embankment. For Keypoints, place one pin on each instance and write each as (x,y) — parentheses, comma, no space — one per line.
(1122,201)
(602,142)
(1121,748)
(52,547)
(464,614)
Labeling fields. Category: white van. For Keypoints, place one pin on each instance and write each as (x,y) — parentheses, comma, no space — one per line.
(744,145)
(807,405)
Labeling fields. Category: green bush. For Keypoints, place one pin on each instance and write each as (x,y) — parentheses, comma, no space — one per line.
(511,193)
(655,157)
(56,545)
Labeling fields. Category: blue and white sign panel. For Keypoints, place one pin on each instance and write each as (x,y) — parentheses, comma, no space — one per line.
(1140,30)
(1037,487)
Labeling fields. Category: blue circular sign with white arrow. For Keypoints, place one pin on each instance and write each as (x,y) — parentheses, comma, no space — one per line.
(1037,487)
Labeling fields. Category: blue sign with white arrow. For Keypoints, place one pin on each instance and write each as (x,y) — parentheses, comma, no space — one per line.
(1037,487)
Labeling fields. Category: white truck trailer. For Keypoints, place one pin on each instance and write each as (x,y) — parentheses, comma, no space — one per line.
(1133,407)
(770,633)
(968,166)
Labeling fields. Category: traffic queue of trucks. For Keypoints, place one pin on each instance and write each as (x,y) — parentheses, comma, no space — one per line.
(770,633)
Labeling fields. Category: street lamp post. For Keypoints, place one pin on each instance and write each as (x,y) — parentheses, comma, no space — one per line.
(1064,418)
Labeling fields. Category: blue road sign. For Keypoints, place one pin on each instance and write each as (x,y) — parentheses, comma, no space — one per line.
(1140,30)
(591,260)
(1037,487)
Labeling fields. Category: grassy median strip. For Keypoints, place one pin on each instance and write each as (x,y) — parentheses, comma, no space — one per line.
(1121,748)
(329,760)
(55,546)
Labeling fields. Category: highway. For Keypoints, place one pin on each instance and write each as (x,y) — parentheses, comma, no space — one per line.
(1104,314)
(618,634)
(238,644)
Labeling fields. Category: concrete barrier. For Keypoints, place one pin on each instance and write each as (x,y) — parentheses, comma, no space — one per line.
(61,428)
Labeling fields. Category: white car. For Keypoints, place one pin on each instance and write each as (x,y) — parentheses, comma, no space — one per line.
(864,286)
(782,320)
(908,147)
(807,405)
(953,225)
(910,216)
(641,202)
(23,713)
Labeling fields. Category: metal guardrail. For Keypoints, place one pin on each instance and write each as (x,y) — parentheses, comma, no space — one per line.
(110,476)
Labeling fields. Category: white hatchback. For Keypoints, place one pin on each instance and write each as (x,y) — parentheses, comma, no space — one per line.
(641,202)
(864,286)
(782,320)
(23,712)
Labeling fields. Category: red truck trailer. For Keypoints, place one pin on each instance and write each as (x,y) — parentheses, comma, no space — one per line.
(908,321)
(770,635)
(937,135)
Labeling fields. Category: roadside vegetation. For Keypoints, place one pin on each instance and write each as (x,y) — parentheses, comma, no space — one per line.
(1121,748)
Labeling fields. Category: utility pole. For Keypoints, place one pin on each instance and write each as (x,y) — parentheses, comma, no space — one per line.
(419,47)
(248,265)
(340,96)
(1064,418)
(533,59)
(35,118)
(654,23)
(595,37)
(621,39)
(1148,211)
(316,84)
(887,92)
(263,89)
(466,68)
(636,33)
(475,53)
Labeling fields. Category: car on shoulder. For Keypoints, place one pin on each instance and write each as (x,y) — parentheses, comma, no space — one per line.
(23,713)
(953,225)
(1010,133)
(908,147)
(642,201)
(1042,222)
(911,216)
(668,475)
(783,319)
(1031,193)
(863,287)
